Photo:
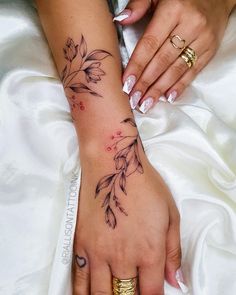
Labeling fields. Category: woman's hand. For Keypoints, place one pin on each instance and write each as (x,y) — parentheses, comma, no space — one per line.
(139,237)
(156,69)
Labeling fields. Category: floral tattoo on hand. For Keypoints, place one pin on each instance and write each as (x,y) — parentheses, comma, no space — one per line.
(82,66)
(127,162)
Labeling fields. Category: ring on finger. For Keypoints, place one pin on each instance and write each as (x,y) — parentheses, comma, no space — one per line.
(189,56)
(124,287)
(191,53)
(177,42)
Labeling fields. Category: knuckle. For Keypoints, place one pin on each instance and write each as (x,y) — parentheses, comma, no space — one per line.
(200,21)
(137,65)
(81,275)
(179,69)
(164,59)
(151,258)
(174,255)
(178,6)
(144,83)
(150,42)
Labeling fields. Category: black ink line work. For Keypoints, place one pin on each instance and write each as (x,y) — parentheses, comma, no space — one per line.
(80,261)
(127,162)
(84,66)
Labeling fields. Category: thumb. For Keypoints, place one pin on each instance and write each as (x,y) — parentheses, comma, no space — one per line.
(173,271)
(133,12)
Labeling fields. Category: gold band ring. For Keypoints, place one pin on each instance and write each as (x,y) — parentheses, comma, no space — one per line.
(177,42)
(124,287)
(189,56)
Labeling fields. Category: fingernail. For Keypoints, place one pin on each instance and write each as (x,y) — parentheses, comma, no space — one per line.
(123,15)
(180,279)
(146,105)
(129,84)
(162,98)
(172,96)
(134,99)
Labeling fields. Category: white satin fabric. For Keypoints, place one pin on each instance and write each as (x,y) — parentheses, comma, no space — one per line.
(191,143)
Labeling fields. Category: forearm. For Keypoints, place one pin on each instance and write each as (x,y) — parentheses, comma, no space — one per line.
(97,111)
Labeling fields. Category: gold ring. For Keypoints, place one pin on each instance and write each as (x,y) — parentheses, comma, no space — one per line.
(177,42)
(124,287)
(192,54)
(189,56)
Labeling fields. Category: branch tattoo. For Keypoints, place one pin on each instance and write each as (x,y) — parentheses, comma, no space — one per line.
(127,162)
(82,66)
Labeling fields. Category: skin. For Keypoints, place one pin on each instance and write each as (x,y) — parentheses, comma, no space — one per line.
(160,72)
(146,241)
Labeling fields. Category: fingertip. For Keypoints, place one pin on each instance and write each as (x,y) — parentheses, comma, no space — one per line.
(181,282)
(124,15)
(132,13)
(176,279)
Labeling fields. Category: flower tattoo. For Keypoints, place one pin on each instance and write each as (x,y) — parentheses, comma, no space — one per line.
(83,66)
(127,162)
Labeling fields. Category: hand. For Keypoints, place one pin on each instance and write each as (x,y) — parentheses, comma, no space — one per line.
(156,69)
(139,237)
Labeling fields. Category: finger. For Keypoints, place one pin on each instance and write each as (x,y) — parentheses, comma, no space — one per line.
(164,58)
(81,275)
(153,38)
(123,268)
(173,249)
(179,87)
(151,273)
(172,75)
(133,12)
(101,279)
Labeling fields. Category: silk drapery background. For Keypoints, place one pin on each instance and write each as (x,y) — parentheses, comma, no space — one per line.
(191,143)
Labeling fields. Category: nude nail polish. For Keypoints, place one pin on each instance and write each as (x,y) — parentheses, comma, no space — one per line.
(134,99)
(146,105)
(129,84)
(172,96)
(122,16)
(180,279)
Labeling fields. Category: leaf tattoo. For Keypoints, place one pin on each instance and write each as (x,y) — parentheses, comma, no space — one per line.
(127,162)
(83,64)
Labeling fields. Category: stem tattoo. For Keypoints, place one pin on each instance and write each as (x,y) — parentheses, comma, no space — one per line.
(82,66)
(127,162)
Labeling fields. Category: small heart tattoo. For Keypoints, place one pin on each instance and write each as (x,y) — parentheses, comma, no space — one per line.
(80,261)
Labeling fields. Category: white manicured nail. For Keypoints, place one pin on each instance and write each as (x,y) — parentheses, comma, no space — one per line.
(121,17)
(134,99)
(162,98)
(172,96)
(146,105)
(129,84)
(180,279)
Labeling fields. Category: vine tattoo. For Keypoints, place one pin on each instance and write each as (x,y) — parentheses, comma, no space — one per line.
(127,162)
(82,66)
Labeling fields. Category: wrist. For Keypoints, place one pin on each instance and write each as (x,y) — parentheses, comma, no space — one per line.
(100,152)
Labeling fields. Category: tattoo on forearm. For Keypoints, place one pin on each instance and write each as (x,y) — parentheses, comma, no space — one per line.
(82,68)
(80,261)
(127,162)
